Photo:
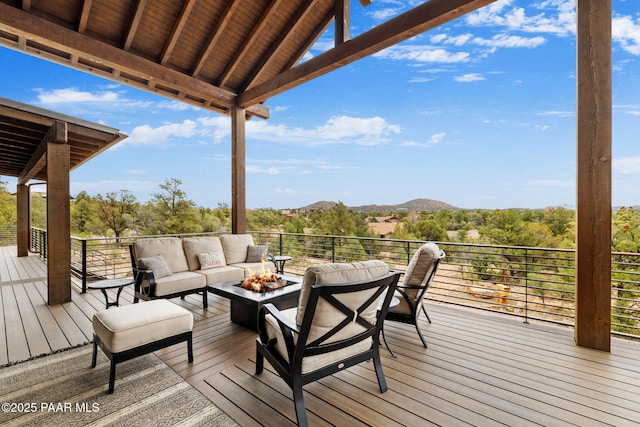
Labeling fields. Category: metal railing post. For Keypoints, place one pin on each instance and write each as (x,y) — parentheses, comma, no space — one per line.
(526,286)
(84,266)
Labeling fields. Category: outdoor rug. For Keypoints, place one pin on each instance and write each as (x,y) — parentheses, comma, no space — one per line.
(63,390)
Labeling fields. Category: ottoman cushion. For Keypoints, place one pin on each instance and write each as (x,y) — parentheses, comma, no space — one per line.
(134,325)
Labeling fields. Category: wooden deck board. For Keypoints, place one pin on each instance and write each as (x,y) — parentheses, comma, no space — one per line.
(479,369)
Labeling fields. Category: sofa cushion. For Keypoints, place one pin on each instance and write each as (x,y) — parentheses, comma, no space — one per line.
(169,247)
(211,259)
(235,247)
(337,273)
(199,245)
(227,273)
(179,282)
(257,253)
(157,264)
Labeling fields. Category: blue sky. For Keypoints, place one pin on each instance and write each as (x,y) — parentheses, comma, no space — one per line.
(479,113)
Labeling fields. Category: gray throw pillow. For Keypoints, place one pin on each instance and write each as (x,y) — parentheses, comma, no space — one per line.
(157,264)
(257,253)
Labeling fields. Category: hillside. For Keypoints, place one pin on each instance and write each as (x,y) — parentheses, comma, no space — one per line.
(411,205)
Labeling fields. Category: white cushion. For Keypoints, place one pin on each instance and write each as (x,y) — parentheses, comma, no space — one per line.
(227,273)
(235,247)
(198,245)
(169,247)
(130,326)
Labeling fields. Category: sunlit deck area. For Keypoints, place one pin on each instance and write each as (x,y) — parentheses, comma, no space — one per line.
(480,369)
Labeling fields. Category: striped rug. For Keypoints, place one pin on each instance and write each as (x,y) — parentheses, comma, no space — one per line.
(63,390)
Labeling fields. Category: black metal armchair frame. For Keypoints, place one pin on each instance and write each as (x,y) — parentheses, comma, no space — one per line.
(290,368)
(415,305)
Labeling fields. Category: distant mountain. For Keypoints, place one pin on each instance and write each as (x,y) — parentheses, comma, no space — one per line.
(411,205)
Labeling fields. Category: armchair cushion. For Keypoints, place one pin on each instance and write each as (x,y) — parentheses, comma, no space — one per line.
(419,268)
(337,273)
(156,264)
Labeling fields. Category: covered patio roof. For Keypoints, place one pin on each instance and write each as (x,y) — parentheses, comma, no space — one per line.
(25,129)
(230,56)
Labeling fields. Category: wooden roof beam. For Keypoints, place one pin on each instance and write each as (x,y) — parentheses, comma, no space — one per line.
(265,17)
(73,43)
(416,21)
(84,16)
(215,35)
(57,133)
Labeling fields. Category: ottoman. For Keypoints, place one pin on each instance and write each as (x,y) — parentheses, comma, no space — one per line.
(133,330)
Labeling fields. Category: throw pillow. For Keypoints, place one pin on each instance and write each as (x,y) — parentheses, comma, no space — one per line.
(211,259)
(157,264)
(257,253)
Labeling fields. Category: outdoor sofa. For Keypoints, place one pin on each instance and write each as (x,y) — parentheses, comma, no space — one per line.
(169,267)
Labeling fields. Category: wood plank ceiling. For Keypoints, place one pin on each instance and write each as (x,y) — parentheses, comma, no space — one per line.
(211,53)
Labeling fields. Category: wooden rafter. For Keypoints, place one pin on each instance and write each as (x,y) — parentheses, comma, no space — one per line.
(310,41)
(418,20)
(265,16)
(187,7)
(215,35)
(84,16)
(277,45)
(134,24)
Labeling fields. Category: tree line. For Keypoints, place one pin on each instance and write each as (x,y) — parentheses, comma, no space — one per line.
(170,211)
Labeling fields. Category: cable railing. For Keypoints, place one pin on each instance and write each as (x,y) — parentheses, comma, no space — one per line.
(534,284)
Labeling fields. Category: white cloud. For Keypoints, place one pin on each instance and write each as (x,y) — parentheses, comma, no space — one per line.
(554,17)
(557,113)
(336,130)
(422,54)
(74,96)
(471,77)
(148,135)
(627,165)
(627,32)
(433,140)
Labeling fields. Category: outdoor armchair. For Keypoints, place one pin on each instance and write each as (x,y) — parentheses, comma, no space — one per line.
(413,288)
(335,326)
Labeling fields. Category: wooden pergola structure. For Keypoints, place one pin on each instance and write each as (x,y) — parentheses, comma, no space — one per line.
(46,146)
(230,56)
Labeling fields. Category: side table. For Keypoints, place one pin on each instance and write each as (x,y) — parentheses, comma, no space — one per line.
(103,285)
(279,261)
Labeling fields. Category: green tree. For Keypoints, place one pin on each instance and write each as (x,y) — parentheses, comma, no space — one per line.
(117,211)
(173,212)
(85,219)
(7,206)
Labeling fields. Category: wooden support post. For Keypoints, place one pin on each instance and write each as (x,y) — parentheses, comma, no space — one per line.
(593,236)
(22,236)
(58,218)
(238,182)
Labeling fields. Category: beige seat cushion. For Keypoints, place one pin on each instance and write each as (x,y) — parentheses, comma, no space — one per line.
(169,247)
(222,274)
(235,247)
(179,282)
(198,245)
(123,328)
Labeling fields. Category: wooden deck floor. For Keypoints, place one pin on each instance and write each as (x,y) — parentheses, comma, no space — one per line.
(479,369)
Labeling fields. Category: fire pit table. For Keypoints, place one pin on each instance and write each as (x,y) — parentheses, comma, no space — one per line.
(246,303)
